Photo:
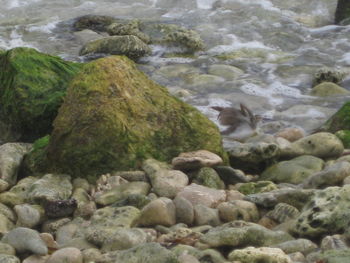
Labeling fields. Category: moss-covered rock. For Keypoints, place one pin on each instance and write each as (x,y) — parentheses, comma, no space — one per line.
(32,88)
(130,46)
(174,36)
(326,89)
(339,121)
(326,74)
(130,28)
(344,136)
(113,117)
(208,177)
(93,22)
(343,11)
(257,187)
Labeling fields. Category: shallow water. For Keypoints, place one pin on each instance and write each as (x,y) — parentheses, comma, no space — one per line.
(278,45)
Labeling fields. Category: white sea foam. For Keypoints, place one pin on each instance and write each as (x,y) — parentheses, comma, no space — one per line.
(45,28)
(266,4)
(14,41)
(346,59)
(11,4)
(205,4)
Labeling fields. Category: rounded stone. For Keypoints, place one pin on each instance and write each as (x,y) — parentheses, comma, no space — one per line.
(25,239)
(67,255)
(161,211)
(184,210)
(195,160)
(29,215)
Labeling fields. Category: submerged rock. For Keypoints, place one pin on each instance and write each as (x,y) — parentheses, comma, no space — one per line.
(343,11)
(93,22)
(130,46)
(326,89)
(114,117)
(256,255)
(32,90)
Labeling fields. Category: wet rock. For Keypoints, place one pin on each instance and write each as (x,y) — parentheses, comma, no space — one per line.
(200,80)
(332,175)
(204,215)
(132,176)
(321,145)
(50,187)
(326,89)
(227,72)
(336,256)
(146,253)
(51,226)
(5,224)
(240,233)
(81,183)
(177,71)
(7,249)
(291,134)
(180,235)
(196,160)
(9,259)
(333,242)
(210,255)
(111,217)
(247,155)
(294,197)
(25,239)
(120,192)
(136,200)
(161,211)
(238,210)
(93,22)
(50,242)
(130,28)
(86,35)
(124,239)
(36,259)
(30,111)
(206,196)
(130,46)
(324,213)
(208,177)
(67,255)
(230,175)
(156,127)
(184,210)
(344,136)
(342,12)
(294,171)
(29,215)
(8,212)
(262,254)
(256,187)
(60,208)
(283,212)
(91,255)
(304,246)
(165,182)
(330,75)
(11,156)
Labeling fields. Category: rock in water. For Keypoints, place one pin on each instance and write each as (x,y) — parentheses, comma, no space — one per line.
(32,88)
(113,117)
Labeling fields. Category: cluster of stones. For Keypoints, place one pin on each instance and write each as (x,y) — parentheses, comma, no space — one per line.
(195,209)
(108,35)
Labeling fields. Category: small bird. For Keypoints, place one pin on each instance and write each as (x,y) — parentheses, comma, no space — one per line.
(234,118)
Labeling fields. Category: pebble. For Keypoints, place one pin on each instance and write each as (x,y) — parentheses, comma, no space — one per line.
(67,255)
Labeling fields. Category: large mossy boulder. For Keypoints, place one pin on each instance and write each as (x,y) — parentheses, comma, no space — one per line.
(339,121)
(114,117)
(32,88)
(342,13)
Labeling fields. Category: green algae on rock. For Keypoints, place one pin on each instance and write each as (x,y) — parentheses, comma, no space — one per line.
(114,117)
(326,89)
(344,136)
(33,86)
(339,121)
(130,46)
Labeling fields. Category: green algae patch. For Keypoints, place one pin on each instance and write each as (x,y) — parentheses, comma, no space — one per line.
(344,136)
(339,121)
(113,117)
(33,87)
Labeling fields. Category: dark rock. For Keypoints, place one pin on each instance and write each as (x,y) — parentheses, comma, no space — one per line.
(60,208)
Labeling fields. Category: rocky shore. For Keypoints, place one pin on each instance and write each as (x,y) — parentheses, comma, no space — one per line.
(100,164)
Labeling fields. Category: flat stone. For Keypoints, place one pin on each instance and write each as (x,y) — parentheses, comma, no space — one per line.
(196,160)
(198,194)
(25,239)
(262,254)
(51,187)
(67,255)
